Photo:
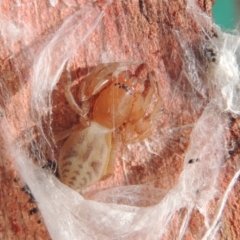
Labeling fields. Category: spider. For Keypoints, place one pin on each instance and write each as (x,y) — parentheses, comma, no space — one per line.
(114,106)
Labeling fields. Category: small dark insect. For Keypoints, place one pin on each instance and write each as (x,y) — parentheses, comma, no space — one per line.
(192,160)
(33,211)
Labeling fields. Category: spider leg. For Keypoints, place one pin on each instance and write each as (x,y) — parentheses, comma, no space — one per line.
(66,133)
(139,126)
(148,97)
(138,131)
(71,100)
(62,135)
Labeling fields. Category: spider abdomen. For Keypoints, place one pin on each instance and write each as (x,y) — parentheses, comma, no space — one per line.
(82,157)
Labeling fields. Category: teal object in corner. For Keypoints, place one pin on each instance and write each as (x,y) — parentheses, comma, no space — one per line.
(225,13)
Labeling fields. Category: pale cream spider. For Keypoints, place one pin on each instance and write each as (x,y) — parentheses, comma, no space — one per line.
(115,108)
